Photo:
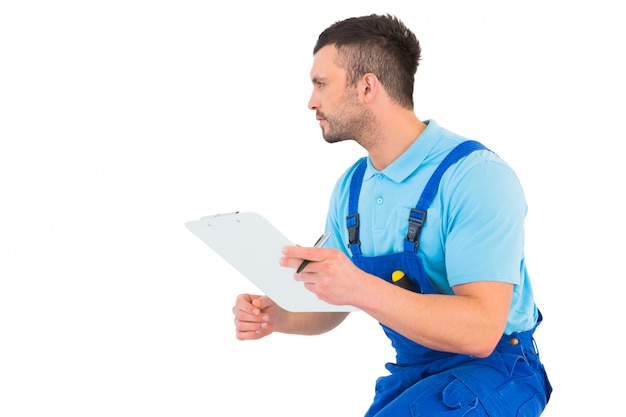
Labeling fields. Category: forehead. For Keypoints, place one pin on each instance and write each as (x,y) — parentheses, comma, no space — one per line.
(325,63)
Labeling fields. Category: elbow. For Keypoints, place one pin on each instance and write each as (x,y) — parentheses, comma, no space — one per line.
(483,353)
(486,339)
(484,347)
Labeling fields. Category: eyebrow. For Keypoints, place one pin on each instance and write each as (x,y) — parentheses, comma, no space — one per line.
(316,80)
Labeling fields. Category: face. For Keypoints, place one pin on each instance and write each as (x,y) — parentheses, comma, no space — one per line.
(341,114)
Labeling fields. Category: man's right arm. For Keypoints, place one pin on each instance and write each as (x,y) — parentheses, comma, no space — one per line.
(258,316)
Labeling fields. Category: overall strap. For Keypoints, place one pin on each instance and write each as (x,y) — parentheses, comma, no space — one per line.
(417,217)
(352,220)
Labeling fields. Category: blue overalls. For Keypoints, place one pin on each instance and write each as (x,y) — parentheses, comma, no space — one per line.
(428,383)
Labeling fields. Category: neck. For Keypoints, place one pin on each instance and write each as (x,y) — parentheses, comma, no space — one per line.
(394,136)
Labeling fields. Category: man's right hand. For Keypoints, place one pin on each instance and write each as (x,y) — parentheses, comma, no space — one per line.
(255,316)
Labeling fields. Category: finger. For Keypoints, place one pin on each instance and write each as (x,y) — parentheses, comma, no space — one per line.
(307,276)
(248,335)
(249,326)
(294,258)
(262,302)
(251,331)
(298,252)
(312,254)
(245,304)
(244,317)
(290,262)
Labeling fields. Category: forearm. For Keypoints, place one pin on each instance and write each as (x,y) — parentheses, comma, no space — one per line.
(308,323)
(469,322)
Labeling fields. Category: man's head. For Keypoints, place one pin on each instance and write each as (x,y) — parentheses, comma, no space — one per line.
(377,44)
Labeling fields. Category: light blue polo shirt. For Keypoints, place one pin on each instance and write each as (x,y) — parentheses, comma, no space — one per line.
(474,228)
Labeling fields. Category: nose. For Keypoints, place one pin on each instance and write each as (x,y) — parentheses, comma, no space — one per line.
(313,102)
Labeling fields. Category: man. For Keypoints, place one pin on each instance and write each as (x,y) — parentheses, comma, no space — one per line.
(427,208)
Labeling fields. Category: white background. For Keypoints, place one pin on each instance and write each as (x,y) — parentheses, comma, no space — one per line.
(122,120)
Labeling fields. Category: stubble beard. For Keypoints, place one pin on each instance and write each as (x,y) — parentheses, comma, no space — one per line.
(353,124)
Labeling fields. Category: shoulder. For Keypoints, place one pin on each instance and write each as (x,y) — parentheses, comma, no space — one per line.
(481,179)
(480,167)
(484,169)
(482,189)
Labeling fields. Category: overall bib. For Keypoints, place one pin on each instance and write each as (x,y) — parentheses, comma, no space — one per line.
(425,382)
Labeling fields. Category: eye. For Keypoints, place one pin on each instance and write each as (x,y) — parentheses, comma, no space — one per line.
(318,83)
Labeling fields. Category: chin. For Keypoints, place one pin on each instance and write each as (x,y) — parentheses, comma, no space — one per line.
(333,139)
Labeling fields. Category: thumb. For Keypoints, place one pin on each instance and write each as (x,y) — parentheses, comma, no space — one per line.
(263,302)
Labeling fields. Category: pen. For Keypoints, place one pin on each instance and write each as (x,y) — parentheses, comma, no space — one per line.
(320,242)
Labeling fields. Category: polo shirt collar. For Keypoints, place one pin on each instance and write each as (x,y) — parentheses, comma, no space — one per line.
(412,158)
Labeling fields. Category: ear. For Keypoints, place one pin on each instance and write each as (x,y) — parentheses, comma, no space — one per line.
(369,88)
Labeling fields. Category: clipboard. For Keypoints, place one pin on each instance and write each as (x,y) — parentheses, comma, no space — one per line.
(252,245)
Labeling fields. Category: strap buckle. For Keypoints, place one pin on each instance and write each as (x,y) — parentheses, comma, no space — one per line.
(352,222)
(416,221)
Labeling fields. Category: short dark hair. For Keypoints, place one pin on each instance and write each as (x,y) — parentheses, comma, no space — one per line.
(377,44)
